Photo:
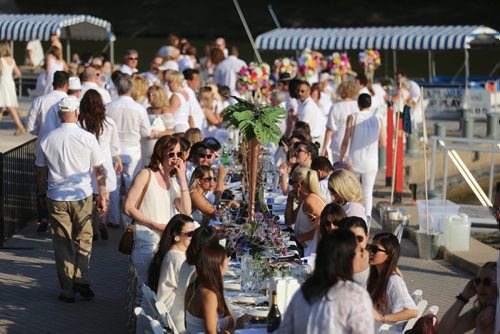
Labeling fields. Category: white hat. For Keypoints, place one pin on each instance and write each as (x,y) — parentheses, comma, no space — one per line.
(74,83)
(69,104)
(324,77)
(169,65)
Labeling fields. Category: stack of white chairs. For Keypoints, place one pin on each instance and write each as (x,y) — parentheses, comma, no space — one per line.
(147,324)
(421,310)
(158,310)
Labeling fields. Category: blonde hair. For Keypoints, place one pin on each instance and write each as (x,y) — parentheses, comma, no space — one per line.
(206,97)
(308,178)
(139,87)
(347,89)
(157,97)
(194,135)
(5,49)
(175,77)
(346,185)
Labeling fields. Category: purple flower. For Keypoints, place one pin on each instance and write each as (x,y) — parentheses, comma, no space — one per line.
(259,216)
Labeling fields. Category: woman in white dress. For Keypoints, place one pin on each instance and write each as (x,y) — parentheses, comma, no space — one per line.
(202,237)
(206,308)
(93,118)
(346,191)
(391,301)
(179,102)
(54,62)
(364,134)
(166,195)
(329,301)
(163,276)
(337,118)
(361,269)
(203,181)
(8,98)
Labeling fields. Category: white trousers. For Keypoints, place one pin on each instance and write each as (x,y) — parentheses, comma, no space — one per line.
(131,161)
(367,184)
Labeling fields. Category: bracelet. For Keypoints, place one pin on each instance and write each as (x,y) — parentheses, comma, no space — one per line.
(184,190)
(462,298)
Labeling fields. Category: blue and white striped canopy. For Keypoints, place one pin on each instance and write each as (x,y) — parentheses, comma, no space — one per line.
(379,38)
(26,27)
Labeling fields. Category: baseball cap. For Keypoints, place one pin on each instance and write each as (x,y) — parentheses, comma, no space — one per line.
(169,65)
(285,76)
(74,83)
(69,104)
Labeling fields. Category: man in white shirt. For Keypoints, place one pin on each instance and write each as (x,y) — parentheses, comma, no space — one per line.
(130,61)
(152,74)
(90,80)
(34,53)
(37,124)
(133,124)
(220,43)
(69,155)
(226,73)
(324,168)
(192,85)
(310,113)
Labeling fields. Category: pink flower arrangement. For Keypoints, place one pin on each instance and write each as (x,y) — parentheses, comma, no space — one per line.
(254,76)
(285,65)
(369,60)
(339,64)
(307,66)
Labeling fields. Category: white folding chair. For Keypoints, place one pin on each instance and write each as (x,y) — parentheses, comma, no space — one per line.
(398,232)
(417,296)
(158,309)
(421,305)
(147,324)
(434,309)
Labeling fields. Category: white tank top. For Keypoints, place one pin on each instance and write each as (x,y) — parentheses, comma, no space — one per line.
(182,114)
(158,204)
(363,146)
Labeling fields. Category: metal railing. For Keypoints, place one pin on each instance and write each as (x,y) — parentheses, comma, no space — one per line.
(464,144)
(18,189)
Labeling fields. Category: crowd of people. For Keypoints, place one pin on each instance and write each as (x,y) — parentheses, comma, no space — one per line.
(156,136)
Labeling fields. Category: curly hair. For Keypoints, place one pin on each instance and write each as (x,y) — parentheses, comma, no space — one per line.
(140,86)
(92,113)
(347,89)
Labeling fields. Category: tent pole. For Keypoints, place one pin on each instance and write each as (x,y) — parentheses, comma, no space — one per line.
(12,48)
(249,34)
(68,46)
(112,52)
(467,67)
(394,63)
(429,58)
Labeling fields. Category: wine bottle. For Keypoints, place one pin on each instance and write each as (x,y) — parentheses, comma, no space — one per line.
(274,315)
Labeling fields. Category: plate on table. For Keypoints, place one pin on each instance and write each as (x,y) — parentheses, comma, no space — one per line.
(232,285)
(249,298)
(257,311)
(231,274)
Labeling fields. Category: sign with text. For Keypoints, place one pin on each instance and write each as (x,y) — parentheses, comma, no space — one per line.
(453,100)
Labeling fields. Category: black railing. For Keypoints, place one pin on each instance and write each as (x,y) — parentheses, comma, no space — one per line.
(18,189)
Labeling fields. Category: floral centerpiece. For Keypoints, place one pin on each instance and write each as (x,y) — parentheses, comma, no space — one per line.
(369,61)
(339,64)
(307,66)
(257,125)
(285,65)
(254,76)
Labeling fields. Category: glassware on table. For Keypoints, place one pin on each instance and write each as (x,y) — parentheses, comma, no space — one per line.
(219,213)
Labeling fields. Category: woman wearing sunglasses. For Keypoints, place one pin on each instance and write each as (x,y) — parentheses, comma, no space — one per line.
(305,184)
(165,193)
(330,216)
(201,183)
(482,314)
(391,301)
(361,265)
(164,271)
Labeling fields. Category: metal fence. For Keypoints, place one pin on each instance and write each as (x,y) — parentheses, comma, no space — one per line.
(18,189)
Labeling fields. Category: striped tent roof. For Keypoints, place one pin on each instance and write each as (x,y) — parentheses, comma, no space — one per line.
(380,38)
(25,27)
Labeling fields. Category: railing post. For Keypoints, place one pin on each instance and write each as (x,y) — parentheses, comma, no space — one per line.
(467,123)
(440,129)
(2,203)
(492,125)
(433,163)
(445,173)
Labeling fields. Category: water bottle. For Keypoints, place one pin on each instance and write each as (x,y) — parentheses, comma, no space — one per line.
(306,270)
(224,156)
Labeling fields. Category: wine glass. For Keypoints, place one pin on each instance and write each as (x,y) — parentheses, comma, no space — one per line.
(219,213)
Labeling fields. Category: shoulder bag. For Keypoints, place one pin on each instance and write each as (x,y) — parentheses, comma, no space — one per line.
(127,240)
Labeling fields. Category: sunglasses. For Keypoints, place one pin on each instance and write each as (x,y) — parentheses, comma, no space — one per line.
(487,282)
(208,178)
(173,154)
(188,234)
(133,58)
(292,182)
(374,249)
(203,155)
